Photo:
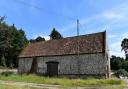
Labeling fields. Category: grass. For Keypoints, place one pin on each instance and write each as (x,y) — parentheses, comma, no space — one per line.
(61,81)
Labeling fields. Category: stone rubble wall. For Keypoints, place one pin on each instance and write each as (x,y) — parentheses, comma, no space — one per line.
(25,65)
(89,64)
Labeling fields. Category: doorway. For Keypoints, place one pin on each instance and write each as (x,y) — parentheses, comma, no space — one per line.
(33,69)
(52,68)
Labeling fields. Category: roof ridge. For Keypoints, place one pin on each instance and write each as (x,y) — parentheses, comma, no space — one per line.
(69,37)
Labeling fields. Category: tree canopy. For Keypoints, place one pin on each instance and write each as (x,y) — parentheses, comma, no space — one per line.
(55,34)
(124,46)
(12,41)
(38,39)
(118,63)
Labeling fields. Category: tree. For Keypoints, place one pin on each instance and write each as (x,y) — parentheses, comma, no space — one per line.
(55,34)
(5,40)
(124,46)
(116,62)
(38,39)
(12,41)
(2,18)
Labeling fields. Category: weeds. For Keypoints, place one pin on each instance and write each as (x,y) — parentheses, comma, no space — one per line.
(61,81)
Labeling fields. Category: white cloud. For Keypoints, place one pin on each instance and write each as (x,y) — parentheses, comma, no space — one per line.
(33,9)
(43,36)
(125,35)
(116,46)
(115,49)
(113,15)
(121,54)
(112,36)
(46,37)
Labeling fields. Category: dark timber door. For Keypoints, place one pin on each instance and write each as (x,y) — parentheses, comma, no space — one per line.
(52,68)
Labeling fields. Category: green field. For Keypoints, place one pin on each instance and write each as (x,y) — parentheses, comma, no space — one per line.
(61,81)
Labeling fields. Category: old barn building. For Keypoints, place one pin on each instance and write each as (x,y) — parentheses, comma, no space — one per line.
(73,56)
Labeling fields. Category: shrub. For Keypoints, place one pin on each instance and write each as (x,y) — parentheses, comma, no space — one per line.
(2,67)
(121,72)
(7,73)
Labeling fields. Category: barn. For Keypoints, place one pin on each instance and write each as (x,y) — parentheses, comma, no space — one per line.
(78,56)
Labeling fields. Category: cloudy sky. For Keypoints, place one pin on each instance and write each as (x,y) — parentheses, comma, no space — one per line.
(38,17)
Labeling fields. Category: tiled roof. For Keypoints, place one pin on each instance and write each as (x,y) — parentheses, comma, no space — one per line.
(90,43)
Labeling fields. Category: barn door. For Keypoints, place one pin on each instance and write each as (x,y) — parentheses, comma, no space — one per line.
(52,68)
(34,66)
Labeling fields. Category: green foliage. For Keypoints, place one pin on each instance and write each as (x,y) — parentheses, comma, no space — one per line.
(124,46)
(121,72)
(116,62)
(12,41)
(38,39)
(61,81)
(55,34)
(7,73)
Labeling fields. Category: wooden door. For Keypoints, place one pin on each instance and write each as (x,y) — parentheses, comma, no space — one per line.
(52,68)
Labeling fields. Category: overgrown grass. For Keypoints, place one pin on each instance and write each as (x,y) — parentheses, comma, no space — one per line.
(61,81)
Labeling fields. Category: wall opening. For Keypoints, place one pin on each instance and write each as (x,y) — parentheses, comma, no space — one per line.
(34,66)
(52,68)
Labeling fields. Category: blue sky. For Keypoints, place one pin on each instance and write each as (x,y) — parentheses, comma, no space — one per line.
(38,17)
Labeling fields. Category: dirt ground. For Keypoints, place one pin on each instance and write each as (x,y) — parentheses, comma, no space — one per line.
(47,86)
(12,70)
(30,84)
